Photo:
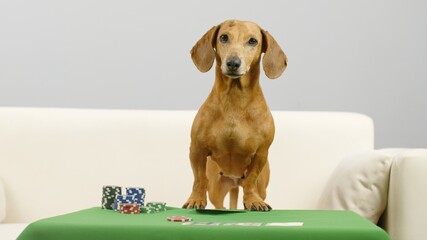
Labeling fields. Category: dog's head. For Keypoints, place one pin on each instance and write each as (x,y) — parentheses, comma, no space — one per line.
(238,46)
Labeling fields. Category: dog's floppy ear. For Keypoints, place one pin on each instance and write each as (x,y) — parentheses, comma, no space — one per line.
(274,61)
(203,53)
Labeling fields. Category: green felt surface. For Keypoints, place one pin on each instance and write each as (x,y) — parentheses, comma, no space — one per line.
(96,223)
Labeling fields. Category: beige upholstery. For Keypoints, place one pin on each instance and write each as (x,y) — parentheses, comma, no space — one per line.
(406,214)
(54,161)
(2,202)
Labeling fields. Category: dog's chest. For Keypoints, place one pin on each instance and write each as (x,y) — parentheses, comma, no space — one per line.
(236,133)
(234,141)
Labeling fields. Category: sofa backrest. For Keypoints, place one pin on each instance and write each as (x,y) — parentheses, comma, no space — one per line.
(54,161)
(2,202)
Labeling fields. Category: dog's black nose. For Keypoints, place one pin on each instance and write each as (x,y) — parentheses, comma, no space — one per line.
(233,63)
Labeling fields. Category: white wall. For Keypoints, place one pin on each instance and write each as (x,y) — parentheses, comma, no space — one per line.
(363,56)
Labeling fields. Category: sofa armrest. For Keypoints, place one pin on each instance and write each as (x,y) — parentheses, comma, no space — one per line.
(406,213)
(10,231)
(2,202)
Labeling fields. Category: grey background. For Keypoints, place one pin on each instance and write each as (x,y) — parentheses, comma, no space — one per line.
(361,56)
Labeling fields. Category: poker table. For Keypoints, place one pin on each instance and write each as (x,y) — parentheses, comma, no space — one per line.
(97,223)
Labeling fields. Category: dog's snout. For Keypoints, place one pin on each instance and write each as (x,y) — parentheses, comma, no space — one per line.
(233,63)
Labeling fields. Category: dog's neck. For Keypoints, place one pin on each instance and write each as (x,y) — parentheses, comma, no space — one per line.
(238,91)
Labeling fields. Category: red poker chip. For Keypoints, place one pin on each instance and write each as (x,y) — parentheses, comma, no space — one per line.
(179,219)
(129,208)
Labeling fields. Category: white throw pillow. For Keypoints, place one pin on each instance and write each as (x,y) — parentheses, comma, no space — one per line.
(2,202)
(359,184)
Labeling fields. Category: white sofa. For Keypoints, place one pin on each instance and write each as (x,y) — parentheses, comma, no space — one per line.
(55,161)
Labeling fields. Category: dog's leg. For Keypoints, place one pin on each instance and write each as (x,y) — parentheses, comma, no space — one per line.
(262,181)
(218,188)
(234,196)
(198,160)
(251,198)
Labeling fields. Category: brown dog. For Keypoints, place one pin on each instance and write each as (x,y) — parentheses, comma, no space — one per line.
(234,129)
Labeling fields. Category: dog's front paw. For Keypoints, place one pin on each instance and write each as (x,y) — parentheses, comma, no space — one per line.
(195,203)
(256,205)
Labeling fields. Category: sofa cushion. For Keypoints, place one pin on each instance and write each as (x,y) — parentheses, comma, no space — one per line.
(2,202)
(359,184)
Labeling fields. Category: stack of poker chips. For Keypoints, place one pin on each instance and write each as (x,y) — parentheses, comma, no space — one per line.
(132,202)
(158,206)
(129,208)
(154,207)
(139,194)
(148,210)
(109,194)
(122,199)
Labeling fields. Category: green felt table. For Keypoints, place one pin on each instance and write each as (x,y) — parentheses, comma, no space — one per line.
(97,223)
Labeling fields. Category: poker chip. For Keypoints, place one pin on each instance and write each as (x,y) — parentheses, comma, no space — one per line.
(129,208)
(139,194)
(109,194)
(122,199)
(130,203)
(159,206)
(179,219)
(148,210)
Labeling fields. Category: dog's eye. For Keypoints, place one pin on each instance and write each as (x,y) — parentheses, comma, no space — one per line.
(253,42)
(223,38)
